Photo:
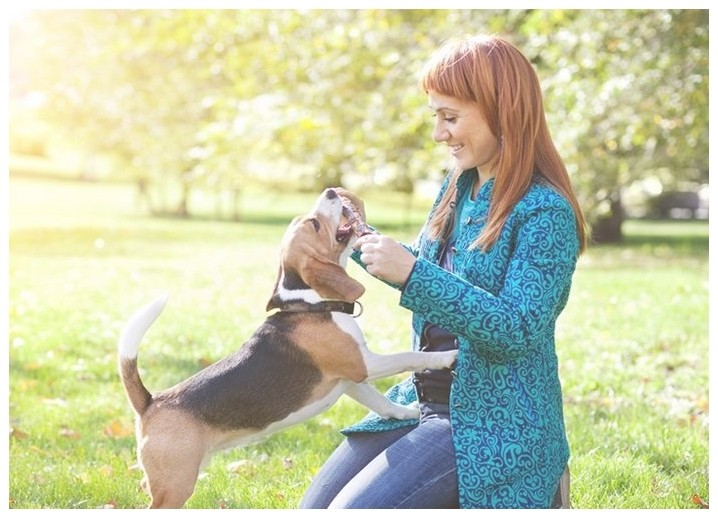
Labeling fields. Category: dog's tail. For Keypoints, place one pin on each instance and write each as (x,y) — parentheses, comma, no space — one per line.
(129,343)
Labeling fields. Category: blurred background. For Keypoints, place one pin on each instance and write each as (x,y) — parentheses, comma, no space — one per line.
(195,107)
(139,138)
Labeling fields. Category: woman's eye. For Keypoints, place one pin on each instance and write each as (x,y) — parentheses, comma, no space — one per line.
(446,118)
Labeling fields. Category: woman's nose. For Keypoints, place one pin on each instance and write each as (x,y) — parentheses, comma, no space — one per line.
(440,133)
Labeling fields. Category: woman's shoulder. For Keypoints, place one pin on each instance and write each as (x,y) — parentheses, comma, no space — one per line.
(542,196)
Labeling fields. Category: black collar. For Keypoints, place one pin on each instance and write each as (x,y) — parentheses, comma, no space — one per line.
(325,306)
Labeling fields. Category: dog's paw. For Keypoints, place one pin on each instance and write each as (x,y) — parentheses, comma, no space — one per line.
(442,360)
(403,411)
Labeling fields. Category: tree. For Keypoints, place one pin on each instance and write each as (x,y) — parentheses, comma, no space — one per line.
(214,99)
(627,93)
(351,103)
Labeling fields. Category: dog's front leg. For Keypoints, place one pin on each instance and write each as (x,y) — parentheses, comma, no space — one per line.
(376,401)
(382,365)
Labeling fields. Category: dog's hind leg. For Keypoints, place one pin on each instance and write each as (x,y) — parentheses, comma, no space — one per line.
(374,400)
(172,458)
(174,492)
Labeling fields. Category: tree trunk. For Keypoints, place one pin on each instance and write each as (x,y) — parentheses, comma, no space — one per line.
(607,229)
(183,206)
(236,212)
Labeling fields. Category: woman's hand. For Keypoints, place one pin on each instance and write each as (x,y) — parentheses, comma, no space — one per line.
(385,258)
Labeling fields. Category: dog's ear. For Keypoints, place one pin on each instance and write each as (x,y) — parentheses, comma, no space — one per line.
(330,280)
(274,300)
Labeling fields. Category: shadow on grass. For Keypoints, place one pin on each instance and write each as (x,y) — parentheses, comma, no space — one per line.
(680,237)
(690,244)
(282,220)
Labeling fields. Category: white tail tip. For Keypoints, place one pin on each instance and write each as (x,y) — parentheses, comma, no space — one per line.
(137,326)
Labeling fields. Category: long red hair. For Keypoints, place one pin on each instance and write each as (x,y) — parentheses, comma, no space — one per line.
(494,74)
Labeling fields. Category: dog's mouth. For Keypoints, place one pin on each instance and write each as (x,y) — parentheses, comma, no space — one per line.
(354,225)
(344,232)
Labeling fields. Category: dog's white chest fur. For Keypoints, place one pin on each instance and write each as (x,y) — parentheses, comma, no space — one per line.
(348,324)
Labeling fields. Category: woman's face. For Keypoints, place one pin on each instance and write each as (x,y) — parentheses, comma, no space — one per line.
(463,128)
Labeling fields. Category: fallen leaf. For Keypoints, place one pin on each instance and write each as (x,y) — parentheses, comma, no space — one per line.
(697,500)
(241,466)
(106,470)
(16,433)
(26,384)
(69,433)
(204,362)
(287,463)
(702,404)
(56,401)
(119,429)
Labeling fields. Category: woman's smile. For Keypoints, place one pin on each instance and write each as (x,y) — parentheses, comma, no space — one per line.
(463,128)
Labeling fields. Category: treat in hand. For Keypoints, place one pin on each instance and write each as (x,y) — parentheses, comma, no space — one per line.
(354,217)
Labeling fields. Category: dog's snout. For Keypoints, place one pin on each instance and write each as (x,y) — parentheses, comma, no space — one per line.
(331,194)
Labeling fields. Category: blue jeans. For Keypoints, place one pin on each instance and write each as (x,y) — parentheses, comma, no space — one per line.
(409,468)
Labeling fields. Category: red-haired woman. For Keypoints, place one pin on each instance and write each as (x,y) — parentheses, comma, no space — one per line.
(489,274)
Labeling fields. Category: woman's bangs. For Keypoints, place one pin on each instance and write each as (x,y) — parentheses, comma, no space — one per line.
(446,75)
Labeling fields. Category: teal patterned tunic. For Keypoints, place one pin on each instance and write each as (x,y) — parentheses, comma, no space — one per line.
(506,405)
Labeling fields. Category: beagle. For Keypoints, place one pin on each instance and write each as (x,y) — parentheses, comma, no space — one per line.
(297,363)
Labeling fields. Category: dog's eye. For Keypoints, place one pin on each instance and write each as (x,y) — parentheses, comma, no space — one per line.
(315,222)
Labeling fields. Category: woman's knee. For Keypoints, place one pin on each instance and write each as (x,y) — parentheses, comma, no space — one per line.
(350,457)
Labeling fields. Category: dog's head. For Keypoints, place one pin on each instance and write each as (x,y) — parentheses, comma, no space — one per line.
(315,249)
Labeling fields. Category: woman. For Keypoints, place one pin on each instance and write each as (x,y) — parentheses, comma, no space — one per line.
(489,275)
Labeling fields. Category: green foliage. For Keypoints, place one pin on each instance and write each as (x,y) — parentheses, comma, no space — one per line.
(191,100)
(626,93)
(632,345)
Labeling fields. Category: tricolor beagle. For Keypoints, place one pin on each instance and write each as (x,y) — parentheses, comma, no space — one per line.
(295,365)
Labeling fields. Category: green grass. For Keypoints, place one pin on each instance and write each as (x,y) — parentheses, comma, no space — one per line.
(633,345)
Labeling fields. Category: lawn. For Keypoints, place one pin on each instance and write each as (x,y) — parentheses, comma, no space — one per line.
(633,347)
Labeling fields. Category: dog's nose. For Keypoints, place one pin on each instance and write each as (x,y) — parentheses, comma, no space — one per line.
(331,194)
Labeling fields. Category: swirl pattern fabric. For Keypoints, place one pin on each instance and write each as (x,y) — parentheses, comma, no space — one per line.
(506,402)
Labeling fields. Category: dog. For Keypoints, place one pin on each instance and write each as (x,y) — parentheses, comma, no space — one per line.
(296,364)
